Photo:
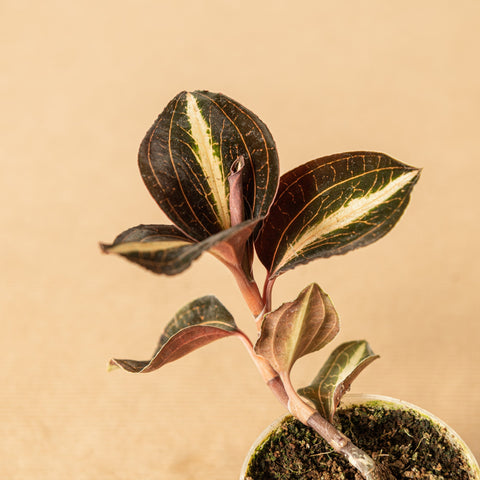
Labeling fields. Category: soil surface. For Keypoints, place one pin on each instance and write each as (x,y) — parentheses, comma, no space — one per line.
(405,442)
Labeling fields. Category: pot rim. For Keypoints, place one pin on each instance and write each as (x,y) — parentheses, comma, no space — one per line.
(362,398)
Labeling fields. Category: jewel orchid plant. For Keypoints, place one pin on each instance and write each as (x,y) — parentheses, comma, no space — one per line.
(212,167)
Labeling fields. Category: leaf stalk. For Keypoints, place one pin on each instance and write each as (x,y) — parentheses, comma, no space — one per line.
(250,292)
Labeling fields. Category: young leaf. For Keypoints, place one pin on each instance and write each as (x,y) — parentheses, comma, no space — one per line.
(235,183)
(187,155)
(197,324)
(332,205)
(297,328)
(165,249)
(337,374)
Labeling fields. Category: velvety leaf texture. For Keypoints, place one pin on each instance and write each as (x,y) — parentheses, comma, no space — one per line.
(166,250)
(197,324)
(297,328)
(332,205)
(186,156)
(337,374)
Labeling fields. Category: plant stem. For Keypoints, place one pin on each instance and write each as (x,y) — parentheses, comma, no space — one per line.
(337,440)
(267,293)
(250,292)
(283,389)
(341,444)
(271,377)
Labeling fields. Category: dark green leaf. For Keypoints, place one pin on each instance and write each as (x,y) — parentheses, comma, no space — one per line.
(297,328)
(197,324)
(332,205)
(335,377)
(186,157)
(164,249)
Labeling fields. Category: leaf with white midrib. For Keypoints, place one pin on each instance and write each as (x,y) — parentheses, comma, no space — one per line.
(207,155)
(332,205)
(164,249)
(186,157)
(196,324)
(333,380)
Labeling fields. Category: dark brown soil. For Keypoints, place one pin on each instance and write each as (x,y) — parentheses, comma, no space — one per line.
(405,442)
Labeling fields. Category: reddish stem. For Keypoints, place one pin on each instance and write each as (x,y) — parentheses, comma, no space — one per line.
(249,290)
(269,375)
(267,293)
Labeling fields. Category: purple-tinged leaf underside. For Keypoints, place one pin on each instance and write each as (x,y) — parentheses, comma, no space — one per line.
(297,328)
(332,205)
(196,324)
(186,156)
(337,374)
(164,249)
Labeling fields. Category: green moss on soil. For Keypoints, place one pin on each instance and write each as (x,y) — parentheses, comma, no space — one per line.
(410,445)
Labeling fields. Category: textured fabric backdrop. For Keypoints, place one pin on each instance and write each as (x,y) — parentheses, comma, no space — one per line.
(81,82)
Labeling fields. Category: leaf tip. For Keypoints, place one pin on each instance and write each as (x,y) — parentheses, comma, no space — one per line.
(313,288)
(367,347)
(104,247)
(112,365)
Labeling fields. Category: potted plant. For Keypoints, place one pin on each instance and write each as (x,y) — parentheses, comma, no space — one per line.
(406,440)
(212,167)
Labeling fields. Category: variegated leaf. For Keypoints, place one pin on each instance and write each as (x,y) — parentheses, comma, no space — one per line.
(158,248)
(332,205)
(197,324)
(186,156)
(297,328)
(166,250)
(337,374)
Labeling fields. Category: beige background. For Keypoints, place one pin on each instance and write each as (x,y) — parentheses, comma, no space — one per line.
(81,82)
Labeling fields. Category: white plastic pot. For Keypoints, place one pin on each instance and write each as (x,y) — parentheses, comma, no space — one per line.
(387,402)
